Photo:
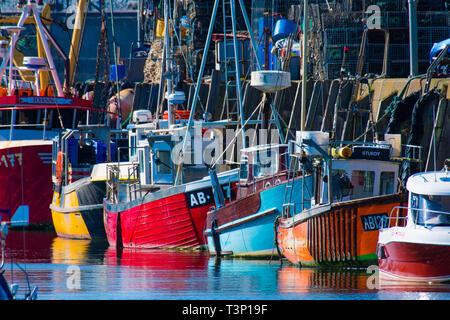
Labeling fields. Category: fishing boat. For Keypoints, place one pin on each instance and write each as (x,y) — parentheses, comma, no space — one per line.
(341,226)
(244,228)
(79,175)
(32,113)
(167,206)
(7,291)
(417,247)
(151,209)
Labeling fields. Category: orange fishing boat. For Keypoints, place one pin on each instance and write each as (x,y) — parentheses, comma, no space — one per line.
(343,231)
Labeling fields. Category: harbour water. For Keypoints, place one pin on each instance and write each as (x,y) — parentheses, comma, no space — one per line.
(66,269)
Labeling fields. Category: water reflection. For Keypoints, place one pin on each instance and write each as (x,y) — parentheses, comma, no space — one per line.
(353,284)
(77,251)
(292,280)
(156,259)
(107,273)
(29,246)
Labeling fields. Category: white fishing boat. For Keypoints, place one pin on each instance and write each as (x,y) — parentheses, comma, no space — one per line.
(417,247)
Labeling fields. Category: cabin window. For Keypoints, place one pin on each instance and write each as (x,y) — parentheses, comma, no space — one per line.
(431,210)
(27,117)
(342,185)
(132,145)
(5,117)
(244,169)
(363,182)
(266,163)
(163,161)
(141,160)
(387,183)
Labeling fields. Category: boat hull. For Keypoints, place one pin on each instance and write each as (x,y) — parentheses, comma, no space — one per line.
(414,253)
(245,227)
(416,262)
(25,180)
(78,211)
(342,234)
(171,218)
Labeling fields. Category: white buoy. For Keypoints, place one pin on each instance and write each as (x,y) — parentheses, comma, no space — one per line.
(270,81)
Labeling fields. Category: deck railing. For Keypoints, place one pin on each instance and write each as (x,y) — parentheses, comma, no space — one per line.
(400,220)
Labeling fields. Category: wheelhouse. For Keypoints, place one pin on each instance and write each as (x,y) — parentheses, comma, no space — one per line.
(262,161)
(429,199)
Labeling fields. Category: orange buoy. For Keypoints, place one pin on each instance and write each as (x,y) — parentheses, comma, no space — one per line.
(59,161)
(179,114)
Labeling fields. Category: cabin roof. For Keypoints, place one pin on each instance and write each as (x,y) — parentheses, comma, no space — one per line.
(433,182)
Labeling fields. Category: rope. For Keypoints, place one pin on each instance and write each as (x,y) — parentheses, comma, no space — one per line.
(390,108)
(236,135)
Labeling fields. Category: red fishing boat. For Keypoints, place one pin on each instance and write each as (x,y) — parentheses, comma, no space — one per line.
(417,247)
(154,211)
(32,113)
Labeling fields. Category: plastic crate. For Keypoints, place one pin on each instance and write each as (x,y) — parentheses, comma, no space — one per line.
(439,34)
(395,20)
(423,66)
(333,70)
(375,67)
(432,34)
(423,35)
(376,37)
(398,52)
(335,37)
(392,5)
(343,20)
(400,69)
(424,51)
(430,5)
(399,36)
(336,53)
(433,19)
(375,51)
(354,35)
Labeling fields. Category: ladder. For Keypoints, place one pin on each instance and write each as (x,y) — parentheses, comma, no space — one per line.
(233,91)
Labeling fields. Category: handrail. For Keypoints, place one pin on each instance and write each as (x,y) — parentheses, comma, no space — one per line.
(406,217)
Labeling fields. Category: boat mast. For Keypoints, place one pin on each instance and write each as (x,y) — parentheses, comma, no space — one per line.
(30,9)
(203,64)
(168,64)
(412,14)
(304,66)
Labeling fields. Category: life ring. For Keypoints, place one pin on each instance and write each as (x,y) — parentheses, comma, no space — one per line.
(267,184)
(277,181)
(59,161)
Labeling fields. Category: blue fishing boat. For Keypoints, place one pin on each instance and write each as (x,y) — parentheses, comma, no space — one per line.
(245,227)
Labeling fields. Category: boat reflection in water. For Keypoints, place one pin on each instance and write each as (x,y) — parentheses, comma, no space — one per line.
(156,259)
(78,252)
(292,279)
